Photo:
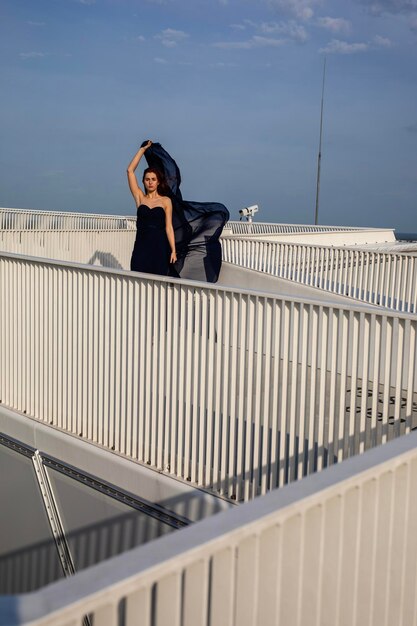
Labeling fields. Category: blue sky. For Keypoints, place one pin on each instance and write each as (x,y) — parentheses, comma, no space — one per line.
(231,88)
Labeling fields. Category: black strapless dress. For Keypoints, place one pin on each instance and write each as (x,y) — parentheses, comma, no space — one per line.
(197,225)
(151,252)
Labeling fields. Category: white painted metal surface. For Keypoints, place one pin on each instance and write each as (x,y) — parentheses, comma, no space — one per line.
(264,228)
(308,234)
(234,392)
(21,220)
(34,220)
(388,280)
(384,279)
(53,515)
(108,241)
(337,548)
(106,247)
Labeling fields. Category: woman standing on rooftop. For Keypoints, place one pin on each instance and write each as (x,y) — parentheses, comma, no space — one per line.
(174,236)
(154,248)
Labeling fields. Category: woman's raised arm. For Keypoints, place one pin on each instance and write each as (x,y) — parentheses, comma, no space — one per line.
(136,191)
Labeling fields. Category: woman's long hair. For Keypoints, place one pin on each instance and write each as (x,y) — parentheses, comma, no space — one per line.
(163,188)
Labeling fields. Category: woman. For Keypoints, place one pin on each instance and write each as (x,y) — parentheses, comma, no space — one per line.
(154,247)
(192,229)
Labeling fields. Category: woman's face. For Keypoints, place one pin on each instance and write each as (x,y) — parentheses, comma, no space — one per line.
(151,181)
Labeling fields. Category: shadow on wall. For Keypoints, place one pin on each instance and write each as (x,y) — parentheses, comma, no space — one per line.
(96,526)
(105,259)
(37,565)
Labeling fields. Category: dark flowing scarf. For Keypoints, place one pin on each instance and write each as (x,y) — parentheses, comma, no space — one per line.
(197,225)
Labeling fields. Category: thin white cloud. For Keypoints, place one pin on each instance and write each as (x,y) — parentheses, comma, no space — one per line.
(31,55)
(254,42)
(406,8)
(302,9)
(86,2)
(31,23)
(334,24)
(335,46)
(160,60)
(140,38)
(222,64)
(267,41)
(390,6)
(382,42)
(171,37)
(234,45)
(413,23)
(289,28)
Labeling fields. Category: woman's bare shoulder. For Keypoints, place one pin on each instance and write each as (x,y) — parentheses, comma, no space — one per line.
(167,203)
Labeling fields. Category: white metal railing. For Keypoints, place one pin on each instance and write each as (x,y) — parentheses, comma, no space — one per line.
(235,392)
(337,548)
(34,220)
(82,238)
(381,278)
(266,228)
(108,248)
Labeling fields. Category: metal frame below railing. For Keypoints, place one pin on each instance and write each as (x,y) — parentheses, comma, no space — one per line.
(337,548)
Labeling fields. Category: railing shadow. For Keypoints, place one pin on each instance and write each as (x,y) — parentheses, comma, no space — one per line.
(295,445)
(105,259)
(37,565)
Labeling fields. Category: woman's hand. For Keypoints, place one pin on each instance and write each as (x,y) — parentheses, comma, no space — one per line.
(173,258)
(146,144)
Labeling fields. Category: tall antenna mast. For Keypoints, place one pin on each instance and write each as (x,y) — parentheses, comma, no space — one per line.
(316,220)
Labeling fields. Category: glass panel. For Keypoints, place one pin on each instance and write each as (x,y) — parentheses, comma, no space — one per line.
(97,526)
(28,556)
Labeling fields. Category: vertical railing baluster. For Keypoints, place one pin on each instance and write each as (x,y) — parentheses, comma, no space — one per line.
(196,385)
(228,366)
(187,376)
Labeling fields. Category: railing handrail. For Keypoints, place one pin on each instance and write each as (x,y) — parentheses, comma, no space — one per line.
(285,228)
(354,306)
(13,220)
(99,216)
(265,227)
(357,249)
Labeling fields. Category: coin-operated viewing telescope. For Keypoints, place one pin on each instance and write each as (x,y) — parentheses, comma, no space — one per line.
(248,212)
